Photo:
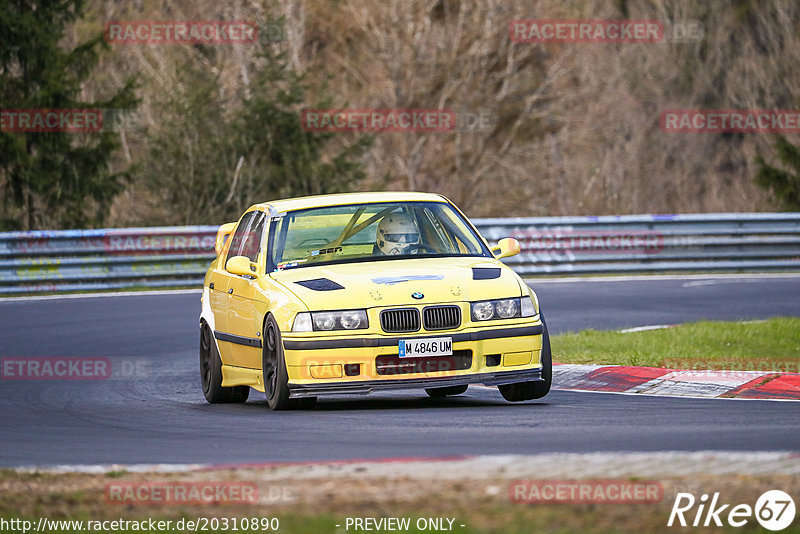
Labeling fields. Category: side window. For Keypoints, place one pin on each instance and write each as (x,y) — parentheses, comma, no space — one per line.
(247,238)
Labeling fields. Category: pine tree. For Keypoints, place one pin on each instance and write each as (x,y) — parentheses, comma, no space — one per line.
(52,179)
(784,184)
(210,160)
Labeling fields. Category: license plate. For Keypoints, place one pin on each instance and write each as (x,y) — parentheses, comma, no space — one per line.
(438,346)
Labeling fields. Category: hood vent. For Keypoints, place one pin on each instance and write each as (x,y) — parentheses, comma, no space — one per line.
(485,273)
(320,284)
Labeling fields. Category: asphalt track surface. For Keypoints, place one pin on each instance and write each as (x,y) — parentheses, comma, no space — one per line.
(156,412)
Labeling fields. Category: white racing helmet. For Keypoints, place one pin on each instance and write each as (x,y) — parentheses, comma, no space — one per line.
(396,232)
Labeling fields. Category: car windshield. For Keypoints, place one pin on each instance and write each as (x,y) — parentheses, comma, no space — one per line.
(371,232)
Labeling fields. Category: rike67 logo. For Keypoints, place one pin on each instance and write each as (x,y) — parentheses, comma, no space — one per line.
(774,510)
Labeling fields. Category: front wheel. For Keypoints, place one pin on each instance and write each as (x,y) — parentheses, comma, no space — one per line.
(523,391)
(211,373)
(273,365)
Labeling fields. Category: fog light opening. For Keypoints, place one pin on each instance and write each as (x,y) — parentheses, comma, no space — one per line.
(352,369)
(492,360)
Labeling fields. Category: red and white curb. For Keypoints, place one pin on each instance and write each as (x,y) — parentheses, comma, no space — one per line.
(677,383)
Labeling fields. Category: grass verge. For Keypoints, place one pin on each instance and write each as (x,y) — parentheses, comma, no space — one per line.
(770,345)
(323,505)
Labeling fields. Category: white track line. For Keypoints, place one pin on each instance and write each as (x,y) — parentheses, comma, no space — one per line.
(646,328)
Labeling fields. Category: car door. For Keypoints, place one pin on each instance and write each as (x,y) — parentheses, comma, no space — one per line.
(243,324)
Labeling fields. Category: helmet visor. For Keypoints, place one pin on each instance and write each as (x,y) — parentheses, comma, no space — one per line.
(402,238)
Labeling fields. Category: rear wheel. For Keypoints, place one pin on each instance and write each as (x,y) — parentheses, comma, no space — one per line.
(211,373)
(523,391)
(273,365)
(446,391)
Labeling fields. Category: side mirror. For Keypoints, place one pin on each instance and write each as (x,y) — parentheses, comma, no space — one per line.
(506,247)
(241,265)
(222,236)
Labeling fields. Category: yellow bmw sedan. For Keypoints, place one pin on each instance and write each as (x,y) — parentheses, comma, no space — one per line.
(362,292)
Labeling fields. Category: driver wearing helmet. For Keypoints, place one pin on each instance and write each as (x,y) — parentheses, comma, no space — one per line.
(397,233)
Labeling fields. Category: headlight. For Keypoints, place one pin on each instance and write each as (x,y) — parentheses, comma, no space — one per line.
(353,320)
(507,308)
(330,320)
(323,321)
(482,311)
(502,309)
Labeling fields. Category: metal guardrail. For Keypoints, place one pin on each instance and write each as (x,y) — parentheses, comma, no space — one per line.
(87,260)
(736,242)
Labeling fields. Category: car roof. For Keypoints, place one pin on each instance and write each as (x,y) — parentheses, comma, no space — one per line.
(299,203)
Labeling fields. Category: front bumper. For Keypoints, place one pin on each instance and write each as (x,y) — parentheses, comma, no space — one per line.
(502,354)
(365,387)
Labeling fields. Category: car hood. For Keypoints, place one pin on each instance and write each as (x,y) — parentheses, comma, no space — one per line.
(392,282)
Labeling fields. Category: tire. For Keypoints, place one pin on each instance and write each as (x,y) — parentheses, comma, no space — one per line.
(523,391)
(540,389)
(211,373)
(273,367)
(438,393)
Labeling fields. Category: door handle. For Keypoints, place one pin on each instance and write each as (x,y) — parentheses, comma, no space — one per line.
(230,291)
(211,285)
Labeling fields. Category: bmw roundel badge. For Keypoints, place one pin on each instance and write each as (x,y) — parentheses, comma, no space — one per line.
(417,295)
